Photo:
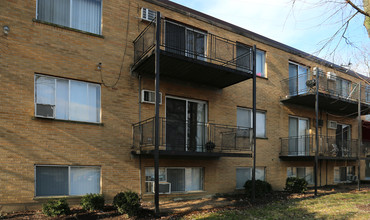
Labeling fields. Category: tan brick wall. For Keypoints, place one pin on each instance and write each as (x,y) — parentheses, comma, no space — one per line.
(32,48)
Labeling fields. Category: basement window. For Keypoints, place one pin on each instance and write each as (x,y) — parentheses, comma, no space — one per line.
(66,180)
(243,174)
(177,179)
(344,174)
(301,172)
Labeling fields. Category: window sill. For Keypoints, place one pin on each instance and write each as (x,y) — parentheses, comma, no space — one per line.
(177,193)
(56,197)
(68,121)
(262,77)
(263,138)
(67,28)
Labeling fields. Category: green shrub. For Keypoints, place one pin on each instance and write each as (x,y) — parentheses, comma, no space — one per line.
(91,202)
(56,207)
(262,188)
(296,185)
(127,202)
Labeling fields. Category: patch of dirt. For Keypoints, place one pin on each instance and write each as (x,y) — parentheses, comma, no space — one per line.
(365,207)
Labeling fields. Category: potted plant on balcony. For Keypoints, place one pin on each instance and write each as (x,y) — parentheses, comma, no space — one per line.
(210,146)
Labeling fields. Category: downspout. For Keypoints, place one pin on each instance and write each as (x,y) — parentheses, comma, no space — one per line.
(140,169)
(327,142)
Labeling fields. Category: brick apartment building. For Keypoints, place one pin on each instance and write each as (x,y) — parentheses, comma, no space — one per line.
(76,112)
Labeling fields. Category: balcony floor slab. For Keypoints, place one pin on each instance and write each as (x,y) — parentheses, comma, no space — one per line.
(189,155)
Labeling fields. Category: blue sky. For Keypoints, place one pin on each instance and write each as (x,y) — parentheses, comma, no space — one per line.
(307,26)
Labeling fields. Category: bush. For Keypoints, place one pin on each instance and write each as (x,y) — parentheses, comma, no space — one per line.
(262,188)
(91,202)
(127,202)
(296,185)
(56,207)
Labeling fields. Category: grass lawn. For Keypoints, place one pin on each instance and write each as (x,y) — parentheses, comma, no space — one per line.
(334,206)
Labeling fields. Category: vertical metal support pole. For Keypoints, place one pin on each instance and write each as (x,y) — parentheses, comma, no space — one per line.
(359,136)
(317,126)
(254,126)
(156,126)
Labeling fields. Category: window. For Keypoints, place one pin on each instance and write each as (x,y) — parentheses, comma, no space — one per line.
(185,41)
(298,76)
(260,63)
(245,119)
(84,15)
(244,59)
(67,99)
(343,174)
(343,87)
(367,93)
(301,172)
(181,179)
(67,180)
(245,173)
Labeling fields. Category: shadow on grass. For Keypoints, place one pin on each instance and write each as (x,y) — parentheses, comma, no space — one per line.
(282,205)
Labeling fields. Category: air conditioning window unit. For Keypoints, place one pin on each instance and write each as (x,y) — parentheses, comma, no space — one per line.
(164,187)
(45,110)
(332,124)
(147,14)
(148,96)
(317,69)
(331,76)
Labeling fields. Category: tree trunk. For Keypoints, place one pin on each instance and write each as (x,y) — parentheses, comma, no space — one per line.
(367,19)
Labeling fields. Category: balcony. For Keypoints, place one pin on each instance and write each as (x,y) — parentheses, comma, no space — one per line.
(192,55)
(191,139)
(303,148)
(336,95)
(365,150)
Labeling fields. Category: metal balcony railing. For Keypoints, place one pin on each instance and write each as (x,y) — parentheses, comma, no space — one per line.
(328,146)
(328,84)
(194,43)
(175,135)
(365,149)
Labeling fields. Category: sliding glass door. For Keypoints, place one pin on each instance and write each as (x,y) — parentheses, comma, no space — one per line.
(185,124)
(185,41)
(298,136)
(342,140)
(298,76)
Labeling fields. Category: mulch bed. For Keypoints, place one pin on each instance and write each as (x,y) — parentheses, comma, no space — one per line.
(178,209)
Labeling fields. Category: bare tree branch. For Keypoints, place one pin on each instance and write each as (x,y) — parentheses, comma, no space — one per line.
(358,9)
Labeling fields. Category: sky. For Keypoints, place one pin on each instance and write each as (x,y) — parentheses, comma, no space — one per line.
(306,25)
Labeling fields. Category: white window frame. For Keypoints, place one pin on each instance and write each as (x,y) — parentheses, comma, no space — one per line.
(263,63)
(69,97)
(251,173)
(251,114)
(70,16)
(165,180)
(69,177)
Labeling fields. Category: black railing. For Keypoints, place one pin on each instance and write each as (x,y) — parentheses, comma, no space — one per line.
(365,149)
(328,146)
(193,43)
(328,84)
(175,135)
